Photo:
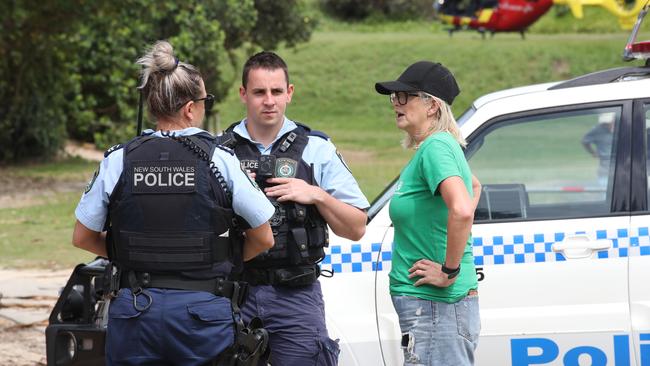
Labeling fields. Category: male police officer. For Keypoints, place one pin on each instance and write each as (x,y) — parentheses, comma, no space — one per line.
(304,177)
(168,199)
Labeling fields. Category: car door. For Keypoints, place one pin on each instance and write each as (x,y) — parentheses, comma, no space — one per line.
(639,253)
(550,238)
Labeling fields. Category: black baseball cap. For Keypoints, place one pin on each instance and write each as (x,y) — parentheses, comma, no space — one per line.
(426,76)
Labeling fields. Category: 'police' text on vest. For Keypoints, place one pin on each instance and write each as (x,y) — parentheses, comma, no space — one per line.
(164,177)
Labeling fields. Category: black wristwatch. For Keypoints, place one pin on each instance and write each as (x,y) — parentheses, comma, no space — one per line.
(450,272)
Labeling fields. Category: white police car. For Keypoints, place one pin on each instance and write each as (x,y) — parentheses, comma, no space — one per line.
(561,236)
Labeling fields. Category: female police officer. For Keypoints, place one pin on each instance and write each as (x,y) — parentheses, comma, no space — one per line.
(167,199)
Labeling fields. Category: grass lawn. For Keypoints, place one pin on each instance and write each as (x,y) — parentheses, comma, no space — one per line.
(39,235)
(36,218)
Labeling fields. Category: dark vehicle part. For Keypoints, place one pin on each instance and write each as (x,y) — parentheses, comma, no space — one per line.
(77,325)
(76,333)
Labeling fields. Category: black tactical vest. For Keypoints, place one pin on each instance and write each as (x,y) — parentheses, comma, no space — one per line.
(300,232)
(169,213)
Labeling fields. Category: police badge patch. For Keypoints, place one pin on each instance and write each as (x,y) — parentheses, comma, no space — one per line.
(285,168)
(249,177)
(89,186)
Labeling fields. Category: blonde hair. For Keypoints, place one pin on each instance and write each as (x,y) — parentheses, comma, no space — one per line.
(167,83)
(444,121)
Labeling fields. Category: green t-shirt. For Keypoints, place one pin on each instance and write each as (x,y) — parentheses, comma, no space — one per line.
(419,215)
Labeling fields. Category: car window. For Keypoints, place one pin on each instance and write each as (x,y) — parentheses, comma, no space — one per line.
(556,165)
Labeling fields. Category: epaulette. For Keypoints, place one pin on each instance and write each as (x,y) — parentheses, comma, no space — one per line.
(320,134)
(232,126)
(311,132)
(112,149)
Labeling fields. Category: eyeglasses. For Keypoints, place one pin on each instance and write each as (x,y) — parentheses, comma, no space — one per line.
(402,97)
(209,102)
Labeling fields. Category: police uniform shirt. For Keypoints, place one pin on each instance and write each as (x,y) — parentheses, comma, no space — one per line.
(330,172)
(248,201)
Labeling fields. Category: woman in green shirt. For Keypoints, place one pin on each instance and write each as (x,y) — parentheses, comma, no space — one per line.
(433,281)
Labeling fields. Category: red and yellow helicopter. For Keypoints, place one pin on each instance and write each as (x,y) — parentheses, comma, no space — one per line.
(517,15)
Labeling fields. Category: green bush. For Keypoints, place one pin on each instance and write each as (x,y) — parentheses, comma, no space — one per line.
(205,33)
(407,9)
(34,77)
(348,9)
(67,68)
(380,9)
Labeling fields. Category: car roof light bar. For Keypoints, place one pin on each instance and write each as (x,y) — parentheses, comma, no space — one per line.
(637,50)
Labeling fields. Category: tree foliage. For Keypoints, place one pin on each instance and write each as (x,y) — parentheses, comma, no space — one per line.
(33,108)
(67,68)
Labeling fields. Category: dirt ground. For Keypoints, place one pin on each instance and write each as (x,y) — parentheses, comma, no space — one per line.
(27,297)
(24,344)
(21,345)
(26,191)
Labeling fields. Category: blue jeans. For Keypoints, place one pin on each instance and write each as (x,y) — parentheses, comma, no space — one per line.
(295,320)
(438,333)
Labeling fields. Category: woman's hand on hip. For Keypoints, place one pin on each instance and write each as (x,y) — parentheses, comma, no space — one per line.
(430,273)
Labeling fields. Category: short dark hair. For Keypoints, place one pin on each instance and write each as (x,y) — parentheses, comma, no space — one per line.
(264,60)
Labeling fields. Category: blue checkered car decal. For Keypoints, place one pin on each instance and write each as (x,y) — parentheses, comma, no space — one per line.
(356,258)
(495,250)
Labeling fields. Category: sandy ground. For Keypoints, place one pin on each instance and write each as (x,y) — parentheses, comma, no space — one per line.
(26,191)
(27,298)
(21,345)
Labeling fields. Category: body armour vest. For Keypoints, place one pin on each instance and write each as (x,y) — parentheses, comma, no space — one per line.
(169,212)
(300,232)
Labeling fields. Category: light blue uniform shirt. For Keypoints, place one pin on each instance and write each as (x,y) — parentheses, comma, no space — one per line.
(248,201)
(330,172)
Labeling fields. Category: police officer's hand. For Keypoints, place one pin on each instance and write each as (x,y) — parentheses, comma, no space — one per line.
(430,273)
(292,189)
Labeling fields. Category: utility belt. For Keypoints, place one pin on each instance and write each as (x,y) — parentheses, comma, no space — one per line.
(294,276)
(250,341)
(233,290)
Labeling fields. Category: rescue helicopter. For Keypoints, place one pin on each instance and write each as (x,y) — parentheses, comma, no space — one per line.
(517,15)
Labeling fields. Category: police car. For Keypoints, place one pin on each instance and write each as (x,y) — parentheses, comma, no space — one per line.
(560,238)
